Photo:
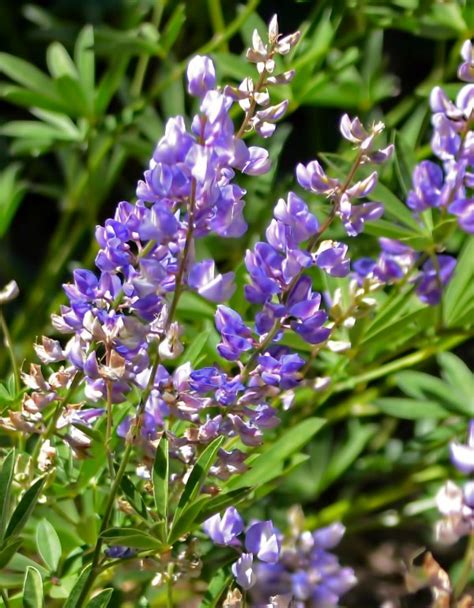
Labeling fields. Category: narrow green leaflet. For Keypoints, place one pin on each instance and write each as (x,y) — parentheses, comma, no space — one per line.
(134,497)
(185,519)
(460,377)
(216,589)
(84,59)
(217,504)
(411,409)
(199,472)
(13,191)
(76,591)
(266,466)
(101,600)
(25,508)
(6,478)
(48,544)
(25,73)
(161,482)
(460,291)
(131,537)
(32,589)
(8,551)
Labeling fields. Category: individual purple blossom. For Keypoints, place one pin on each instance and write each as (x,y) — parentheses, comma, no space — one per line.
(119,552)
(216,288)
(261,539)
(201,75)
(312,177)
(281,371)
(428,181)
(433,277)
(236,337)
(456,504)
(462,454)
(243,571)
(466,69)
(224,530)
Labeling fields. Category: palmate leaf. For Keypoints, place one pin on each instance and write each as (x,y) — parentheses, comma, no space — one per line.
(460,377)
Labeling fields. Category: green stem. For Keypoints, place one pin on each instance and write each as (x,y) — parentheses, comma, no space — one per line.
(11,352)
(394,366)
(130,443)
(144,59)
(169,586)
(467,568)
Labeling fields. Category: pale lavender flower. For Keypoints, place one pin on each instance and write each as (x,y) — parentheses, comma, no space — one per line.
(224,530)
(462,454)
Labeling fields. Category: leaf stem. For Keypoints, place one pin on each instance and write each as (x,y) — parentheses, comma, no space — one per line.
(130,443)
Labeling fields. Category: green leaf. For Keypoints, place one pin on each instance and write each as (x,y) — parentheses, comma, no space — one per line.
(134,497)
(48,544)
(161,483)
(459,376)
(199,473)
(101,600)
(461,286)
(405,162)
(196,347)
(173,27)
(32,589)
(25,508)
(25,73)
(219,503)
(266,466)
(110,83)
(131,537)
(410,409)
(8,551)
(84,59)
(76,592)
(216,589)
(59,62)
(33,129)
(424,386)
(6,478)
(185,519)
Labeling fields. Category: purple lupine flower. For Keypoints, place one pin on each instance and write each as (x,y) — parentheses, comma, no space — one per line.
(312,177)
(427,185)
(431,280)
(216,288)
(306,573)
(282,371)
(242,569)
(224,530)
(201,75)
(119,552)
(236,337)
(331,257)
(462,454)
(261,539)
